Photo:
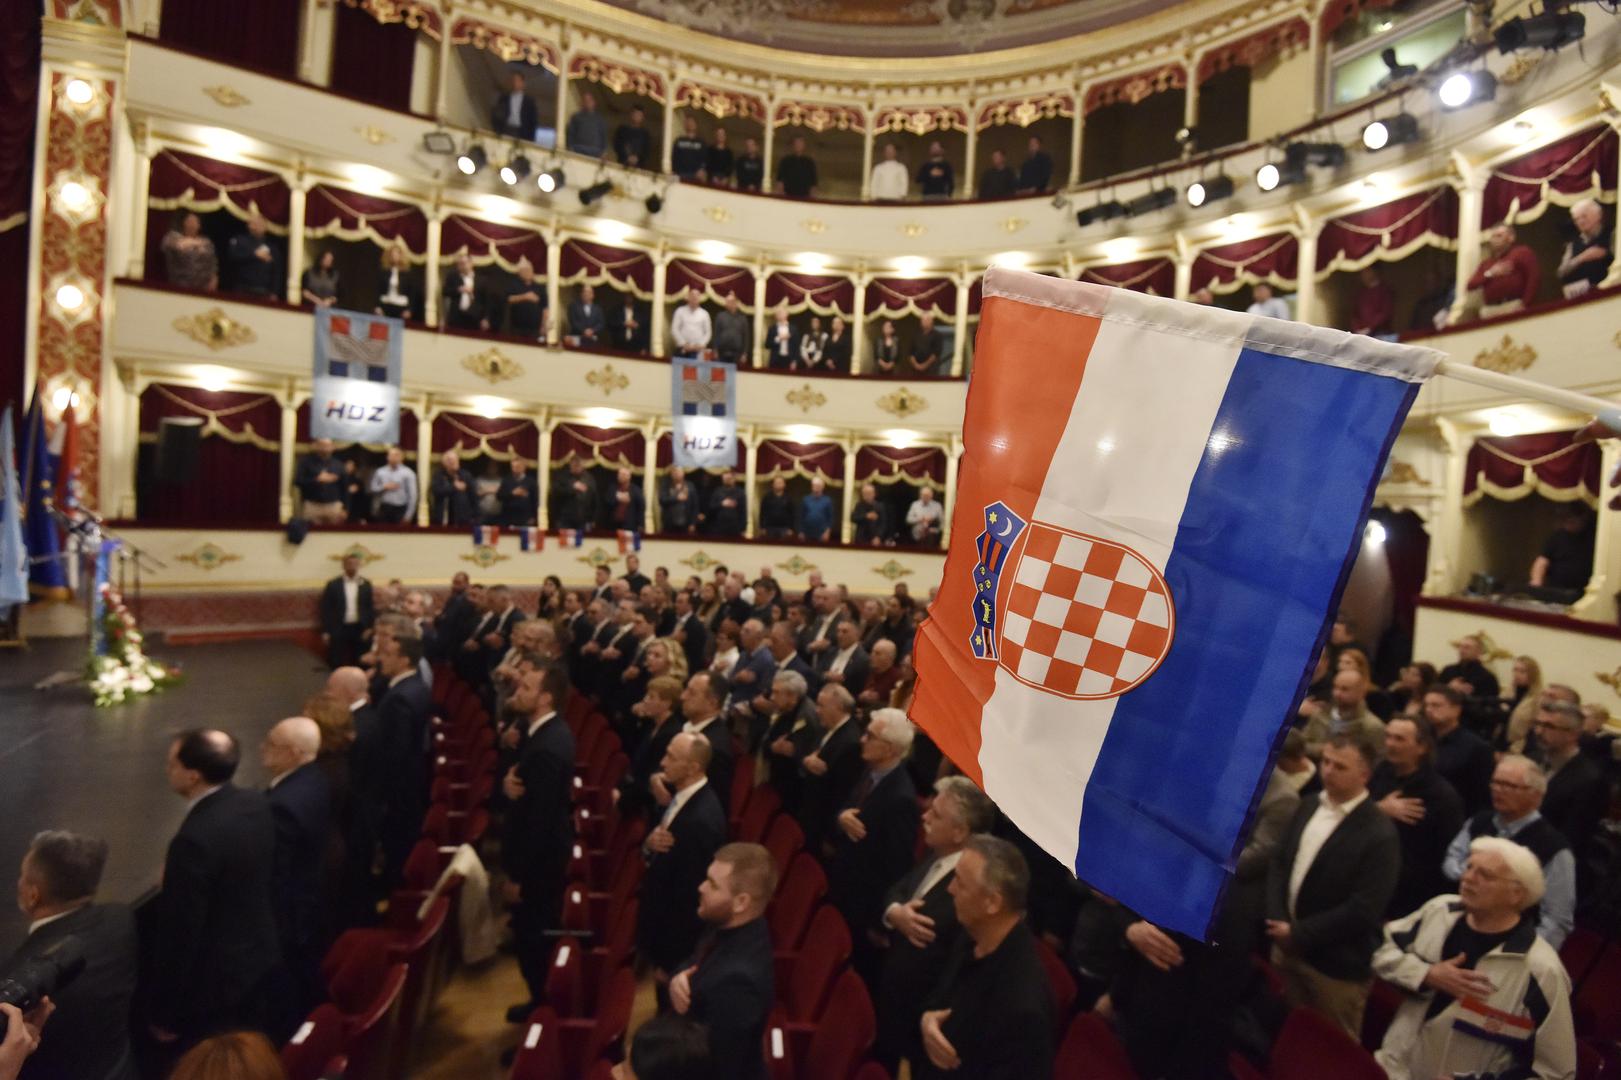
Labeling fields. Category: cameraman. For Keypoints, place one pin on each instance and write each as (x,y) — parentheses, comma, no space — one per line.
(89,1036)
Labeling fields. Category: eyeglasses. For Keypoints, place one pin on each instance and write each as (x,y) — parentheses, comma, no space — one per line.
(1550,725)
(1506,785)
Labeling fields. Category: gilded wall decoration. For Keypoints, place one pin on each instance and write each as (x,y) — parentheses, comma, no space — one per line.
(806,398)
(607,378)
(797,565)
(912,229)
(1490,651)
(902,403)
(360,551)
(215,329)
(1012,224)
(814,226)
(718,214)
(376,136)
(596,557)
(1611,679)
(492,364)
(484,556)
(226,96)
(892,571)
(1402,472)
(210,556)
(700,561)
(1506,356)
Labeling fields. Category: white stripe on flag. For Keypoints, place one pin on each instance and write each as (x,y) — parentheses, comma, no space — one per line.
(1136,434)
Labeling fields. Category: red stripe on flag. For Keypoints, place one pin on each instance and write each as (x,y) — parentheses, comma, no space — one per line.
(1027,370)
(379,331)
(340,324)
(1514,1020)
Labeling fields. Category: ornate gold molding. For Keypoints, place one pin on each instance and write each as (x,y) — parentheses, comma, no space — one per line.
(492,364)
(1489,649)
(1519,67)
(596,557)
(913,229)
(1506,356)
(360,551)
(1612,679)
(718,214)
(813,226)
(700,561)
(210,556)
(806,398)
(484,556)
(1012,224)
(902,403)
(797,565)
(607,378)
(215,329)
(1402,472)
(227,96)
(376,136)
(892,571)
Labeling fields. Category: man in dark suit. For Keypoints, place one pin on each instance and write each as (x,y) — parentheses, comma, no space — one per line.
(492,637)
(1578,789)
(819,633)
(750,677)
(463,304)
(301,806)
(586,322)
(689,630)
(691,828)
(460,614)
(574,497)
(88,1034)
(657,710)
(875,833)
(539,825)
(215,942)
(728,983)
(346,614)
(1424,808)
(700,704)
(918,925)
(630,331)
(362,827)
(791,731)
(519,495)
(403,715)
(831,768)
(513,113)
(1329,885)
(847,662)
(451,494)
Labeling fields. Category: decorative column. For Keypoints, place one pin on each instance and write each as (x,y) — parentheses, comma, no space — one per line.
(650,476)
(1446,528)
(1190,100)
(554,287)
(315,31)
(846,530)
(297,191)
(959,338)
(562,97)
(661,275)
(430,290)
(751,468)
(1306,274)
(1077,129)
(1184,268)
(760,274)
(971,157)
(768,141)
(543,470)
(858,319)
(1598,600)
(120,426)
(867,138)
(1471,184)
(667,137)
(949,495)
(140,192)
(441,76)
(288,450)
(424,412)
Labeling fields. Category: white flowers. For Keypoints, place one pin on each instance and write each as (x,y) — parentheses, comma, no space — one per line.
(124,670)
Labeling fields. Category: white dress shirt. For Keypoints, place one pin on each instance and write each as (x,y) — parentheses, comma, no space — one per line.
(831,733)
(841,658)
(47,920)
(680,799)
(890,180)
(1328,817)
(464,299)
(690,328)
(539,722)
(393,296)
(351,599)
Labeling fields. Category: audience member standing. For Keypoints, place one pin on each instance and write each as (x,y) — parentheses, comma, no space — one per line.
(587,131)
(319,284)
(215,930)
(1425,809)
(520,496)
(816,515)
(1374,310)
(586,322)
(319,481)
(688,153)
(831,768)
(526,304)
(301,807)
(776,520)
(1345,713)
(395,487)
(727,513)
(719,161)
(812,345)
(1508,276)
(734,333)
(796,172)
(1586,260)
(1578,788)
(1264,302)
(625,510)
(998,181)
(924,518)
(690,828)
(750,169)
(451,497)
(396,292)
(632,142)
(690,328)
(876,832)
(255,262)
(630,332)
(1036,174)
(404,712)
(870,518)
(678,503)
(781,343)
(513,113)
(189,259)
(1463,758)
(890,180)
(462,304)
(1470,676)
(576,497)
(700,704)
(346,614)
(928,350)
(935,178)
(846,663)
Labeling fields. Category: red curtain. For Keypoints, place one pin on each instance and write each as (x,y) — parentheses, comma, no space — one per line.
(1549,463)
(501,438)
(182,181)
(1255,49)
(19,90)
(408,433)
(821,295)
(1388,232)
(886,464)
(372,60)
(331,211)
(665,457)
(609,447)
(259,34)
(1265,258)
(600,264)
(1577,166)
(779,457)
(238,459)
(711,280)
(976,297)
(1340,10)
(1156,276)
(488,243)
(897,297)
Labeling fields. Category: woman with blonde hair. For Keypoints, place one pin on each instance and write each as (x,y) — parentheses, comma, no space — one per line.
(665,656)
(240,1055)
(335,719)
(1522,693)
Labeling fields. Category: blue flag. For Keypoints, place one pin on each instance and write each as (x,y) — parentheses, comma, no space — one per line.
(13,555)
(47,577)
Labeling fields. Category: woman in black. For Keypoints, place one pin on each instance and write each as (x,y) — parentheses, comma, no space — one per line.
(320,282)
(836,353)
(782,350)
(396,292)
(886,351)
(812,344)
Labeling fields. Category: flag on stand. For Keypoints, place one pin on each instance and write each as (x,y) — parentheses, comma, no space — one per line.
(1159,505)
(13,553)
(64,450)
(531,539)
(486,535)
(47,577)
(629,541)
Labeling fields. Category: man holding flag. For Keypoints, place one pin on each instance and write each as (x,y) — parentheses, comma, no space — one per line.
(13,553)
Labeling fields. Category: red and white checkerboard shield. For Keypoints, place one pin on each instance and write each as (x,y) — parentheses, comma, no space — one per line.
(1085,618)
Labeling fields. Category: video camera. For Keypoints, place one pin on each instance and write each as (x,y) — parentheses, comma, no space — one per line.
(43,976)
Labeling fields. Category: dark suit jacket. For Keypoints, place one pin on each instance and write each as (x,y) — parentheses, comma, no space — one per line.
(667,923)
(301,806)
(635,510)
(332,606)
(1001,1011)
(580,320)
(808,634)
(88,1036)
(1423,843)
(821,796)
(1340,909)
(446,505)
(403,716)
(911,973)
(799,726)
(540,826)
(518,510)
(861,872)
(855,669)
(408,289)
(456,622)
(216,940)
(724,762)
(528,116)
(1578,795)
(732,992)
(450,304)
(635,800)
(694,636)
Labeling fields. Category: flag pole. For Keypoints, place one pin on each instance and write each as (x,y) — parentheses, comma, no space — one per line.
(1608,412)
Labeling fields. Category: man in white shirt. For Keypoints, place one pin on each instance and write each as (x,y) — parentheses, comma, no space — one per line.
(513,113)
(890,179)
(395,486)
(690,329)
(848,664)
(1264,302)
(923,517)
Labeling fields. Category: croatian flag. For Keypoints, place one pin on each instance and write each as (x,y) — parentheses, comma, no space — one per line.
(486,535)
(531,539)
(1159,505)
(571,537)
(629,541)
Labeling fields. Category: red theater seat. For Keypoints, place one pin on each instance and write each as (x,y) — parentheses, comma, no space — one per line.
(1090,1051)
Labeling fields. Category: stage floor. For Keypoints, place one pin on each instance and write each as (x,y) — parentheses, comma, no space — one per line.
(66,764)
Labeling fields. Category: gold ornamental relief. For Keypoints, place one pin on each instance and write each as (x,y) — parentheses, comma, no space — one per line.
(1402,472)
(813,226)
(215,329)
(597,557)
(806,398)
(912,229)
(607,378)
(797,565)
(718,214)
(903,403)
(360,551)
(493,365)
(484,556)
(1611,679)
(1506,356)
(228,96)
(892,571)
(1490,651)
(210,556)
(376,136)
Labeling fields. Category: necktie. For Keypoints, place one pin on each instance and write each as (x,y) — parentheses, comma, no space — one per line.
(863,788)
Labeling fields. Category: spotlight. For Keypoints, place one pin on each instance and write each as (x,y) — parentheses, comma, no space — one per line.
(439,142)
(551,180)
(515,170)
(1269,176)
(1205,191)
(473,160)
(1325,155)
(1148,202)
(1103,211)
(654,203)
(1391,131)
(1463,88)
(595,192)
(1550,30)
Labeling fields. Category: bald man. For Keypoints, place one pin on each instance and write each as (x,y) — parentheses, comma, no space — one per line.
(301,805)
(364,805)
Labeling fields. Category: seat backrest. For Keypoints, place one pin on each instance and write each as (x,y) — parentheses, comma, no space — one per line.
(421,871)
(436,825)
(801,890)
(826,949)
(565,978)
(1309,1045)
(355,968)
(412,947)
(1594,1004)
(540,1048)
(845,1032)
(371,1035)
(1060,983)
(614,1001)
(763,804)
(784,840)
(1090,1051)
(738,797)
(318,1040)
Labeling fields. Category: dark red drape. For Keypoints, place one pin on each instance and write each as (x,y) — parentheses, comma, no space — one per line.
(916,464)
(1554,461)
(614,447)
(1579,164)
(1264,257)
(19,91)
(182,181)
(900,296)
(781,457)
(487,242)
(713,280)
(237,483)
(1157,276)
(504,436)
(599,262)
(372,60)
(823,295)
(1425,216)
(383,221)
(249,33)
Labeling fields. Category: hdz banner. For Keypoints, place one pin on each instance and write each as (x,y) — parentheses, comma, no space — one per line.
(704,405)
(357,377)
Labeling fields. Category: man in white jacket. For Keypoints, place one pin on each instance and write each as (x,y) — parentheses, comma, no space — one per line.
(1489,998)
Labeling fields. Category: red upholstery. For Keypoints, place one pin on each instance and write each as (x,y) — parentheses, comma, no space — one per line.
(825,951)
(796,900)
(372,1034)
(576,917)
(1581,952)
(540,1048)
(1090,1051)
(1060,983)
(844,1034)
(1310,1046)
(587,1039)
(1383,1001)
(318,1040)
(421,870)
(738,797)
(871,1071)
(1597,1005)
(355,967)
(565,979)
(763,804)
(784,840)
(1589,1065)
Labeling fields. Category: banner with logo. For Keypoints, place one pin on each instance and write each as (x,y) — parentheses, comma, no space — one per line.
(358,358)
(703,408)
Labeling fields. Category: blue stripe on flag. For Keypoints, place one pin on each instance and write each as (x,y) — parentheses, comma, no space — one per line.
(1272,524)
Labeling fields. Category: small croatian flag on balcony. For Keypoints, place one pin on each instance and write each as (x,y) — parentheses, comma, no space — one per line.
(1159,505)
(358,358)
(629,541)
(571,537)
(486,535)
(703,411)
(531,539)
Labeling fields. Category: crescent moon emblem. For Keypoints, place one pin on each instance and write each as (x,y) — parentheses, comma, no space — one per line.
(1007,527)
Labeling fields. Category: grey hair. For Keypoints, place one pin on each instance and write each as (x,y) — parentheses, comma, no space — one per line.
(793,680)
(842,696)
(898,730)
(1534,776)
(1586,204)
(973,809)
(1520,861)
(1571,713)
(1006,872)
(67,865)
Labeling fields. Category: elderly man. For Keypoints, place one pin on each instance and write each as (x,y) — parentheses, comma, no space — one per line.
(690,328)
(587,324)
(991,1012)
(678,503)
(1487,996)
(815,517)
(831,767)
(1345,713)
(734,333)
(301,805)
(869,518)
(678,851)
(450,495)
(1586,259)
(923,518)
(574,504)
(1578,788)
(519,495)
(1508,275)
(1425,809)
(255,262)
(791,730)
(847,662)
(624,510)
(818,635)
(1518,787)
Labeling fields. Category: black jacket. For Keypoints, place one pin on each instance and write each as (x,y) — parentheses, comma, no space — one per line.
(1423,843)
(910,973)
(332,606)
(581,319)
(517,509)
(1001,1011)
(573,509)
(799,726)
(821,796)
(216,937)
(724,761)
(540,825)
(319,491)
(732,991)
(528,116)
(861,872)
(88,1036)
(868,530)
(635,799)
(855,669)
(667,923)
(694,636)
(1578,796)
(401,763)
(301,806)
(1339,912)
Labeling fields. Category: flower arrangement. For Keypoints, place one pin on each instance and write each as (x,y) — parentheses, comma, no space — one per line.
(120,669)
